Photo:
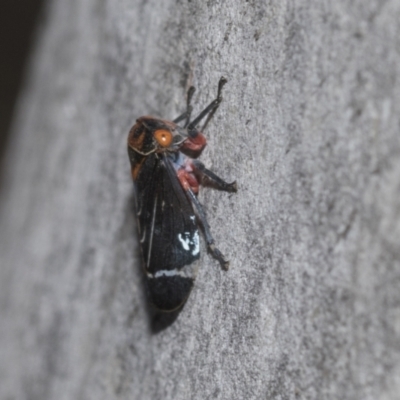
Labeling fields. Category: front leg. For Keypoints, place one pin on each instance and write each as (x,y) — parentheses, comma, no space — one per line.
(186,115)
(210,109)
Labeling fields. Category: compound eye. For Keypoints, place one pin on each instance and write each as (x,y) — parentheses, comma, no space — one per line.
(163,137)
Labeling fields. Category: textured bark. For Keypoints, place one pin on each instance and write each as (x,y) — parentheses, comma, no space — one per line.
(309,127)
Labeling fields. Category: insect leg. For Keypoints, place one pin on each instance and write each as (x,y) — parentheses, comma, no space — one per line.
(210,109)
(181,117)
(214,180)
(186,115)
(199,211)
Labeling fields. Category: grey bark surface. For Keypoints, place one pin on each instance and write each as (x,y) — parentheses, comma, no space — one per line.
(309,128)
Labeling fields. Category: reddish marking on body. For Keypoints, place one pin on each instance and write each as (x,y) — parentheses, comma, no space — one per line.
(188,180)
(136,168)
(195,144)
(136,136)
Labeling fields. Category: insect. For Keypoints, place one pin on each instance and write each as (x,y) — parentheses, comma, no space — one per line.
(167,176)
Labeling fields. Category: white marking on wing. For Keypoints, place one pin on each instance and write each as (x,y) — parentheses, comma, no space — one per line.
(143,236)
(185,241)
(196,244)
(188,271)
(166,272)
(152,230)
(139,213)
(188,242)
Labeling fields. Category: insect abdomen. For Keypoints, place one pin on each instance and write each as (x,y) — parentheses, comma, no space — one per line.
(168,293)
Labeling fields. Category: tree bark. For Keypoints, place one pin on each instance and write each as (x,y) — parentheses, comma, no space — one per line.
(309,128)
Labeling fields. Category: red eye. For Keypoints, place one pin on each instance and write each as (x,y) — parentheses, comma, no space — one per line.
(163,137)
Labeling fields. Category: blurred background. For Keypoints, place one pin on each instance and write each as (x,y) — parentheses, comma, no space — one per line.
(19,21)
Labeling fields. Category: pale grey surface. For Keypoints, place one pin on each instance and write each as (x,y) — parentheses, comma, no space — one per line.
(309,127)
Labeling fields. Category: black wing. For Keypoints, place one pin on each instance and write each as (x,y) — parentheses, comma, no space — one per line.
(168,230)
